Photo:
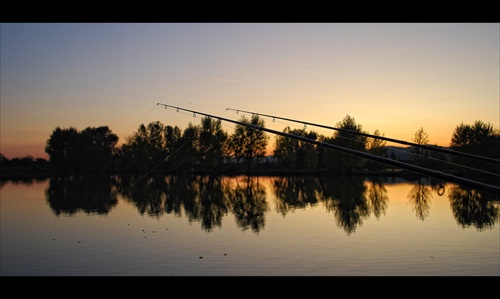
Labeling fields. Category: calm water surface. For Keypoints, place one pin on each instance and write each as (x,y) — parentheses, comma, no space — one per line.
(247,226)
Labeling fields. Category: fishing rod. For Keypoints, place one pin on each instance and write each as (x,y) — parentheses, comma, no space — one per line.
(411,167)
(424,146)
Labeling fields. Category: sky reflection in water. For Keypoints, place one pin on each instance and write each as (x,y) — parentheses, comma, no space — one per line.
(247,226)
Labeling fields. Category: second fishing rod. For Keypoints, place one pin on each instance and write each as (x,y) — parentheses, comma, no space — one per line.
(403,165)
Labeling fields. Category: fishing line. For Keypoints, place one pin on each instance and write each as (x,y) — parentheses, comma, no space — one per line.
(211,145)
(161,162)
(123,135)
(147,113)
(169,156)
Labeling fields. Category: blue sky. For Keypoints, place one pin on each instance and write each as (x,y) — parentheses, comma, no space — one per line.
(394,77)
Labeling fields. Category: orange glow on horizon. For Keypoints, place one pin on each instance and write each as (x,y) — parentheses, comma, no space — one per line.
(395,78)
(24,150)
(37,150)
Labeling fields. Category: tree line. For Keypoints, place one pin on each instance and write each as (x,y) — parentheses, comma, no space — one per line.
(208,148)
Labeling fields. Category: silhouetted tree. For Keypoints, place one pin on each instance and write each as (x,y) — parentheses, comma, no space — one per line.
(439,160)
(98,146)
(27,165)
(187,156)
(145,149)
(347,137)
(248,142)
(295,154)
(236,143)
(212,144)
(63,150)
(172,144)
(420,155)
(71,151)
(479,139)
(321,152)
(376,146)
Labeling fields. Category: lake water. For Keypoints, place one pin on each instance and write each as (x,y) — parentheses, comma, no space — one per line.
(247,226)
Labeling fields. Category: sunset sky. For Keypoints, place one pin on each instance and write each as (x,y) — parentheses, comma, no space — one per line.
(394,77)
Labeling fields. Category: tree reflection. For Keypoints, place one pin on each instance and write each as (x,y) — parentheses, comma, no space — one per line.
(212,202)
(295,193)
(377,197)
(473,208)
(419,196)
(181,189)
(247,201)
(92,194)
(146,193)
(208,198)
(200,198)
(345,196)
(23,180)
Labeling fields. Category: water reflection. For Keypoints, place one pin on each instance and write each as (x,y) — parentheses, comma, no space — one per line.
(472,208)
(146,194)
(377,196)
(208,200)
(247,200)
(92,194)
(419,197)
(345,197)
(295,193)
(22,180)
